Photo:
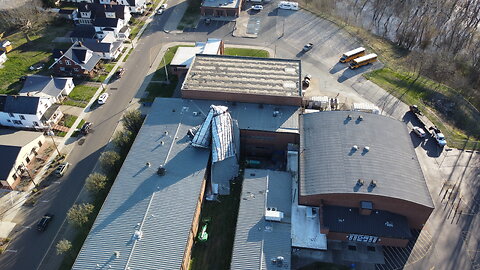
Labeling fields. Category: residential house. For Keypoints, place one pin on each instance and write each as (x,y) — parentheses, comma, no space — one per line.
(83,32)
(28,112)
(68,14)
(54,88)
(3,57)
(18,148)
(135,6)
(105,18)
(108,50)
(77,61)
(6,46)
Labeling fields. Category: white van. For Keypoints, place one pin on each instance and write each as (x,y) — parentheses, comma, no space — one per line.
(288,5)
(255,1)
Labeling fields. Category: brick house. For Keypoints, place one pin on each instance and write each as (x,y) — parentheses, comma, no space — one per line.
(77,61)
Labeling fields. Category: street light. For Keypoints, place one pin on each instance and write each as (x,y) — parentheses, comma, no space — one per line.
(50,133)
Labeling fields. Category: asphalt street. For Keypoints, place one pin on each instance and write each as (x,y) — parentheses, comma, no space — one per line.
(284,32)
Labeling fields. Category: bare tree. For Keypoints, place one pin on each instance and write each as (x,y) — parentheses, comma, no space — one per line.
(28,19)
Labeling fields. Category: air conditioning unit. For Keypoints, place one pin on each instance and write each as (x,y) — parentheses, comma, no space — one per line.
(271,214)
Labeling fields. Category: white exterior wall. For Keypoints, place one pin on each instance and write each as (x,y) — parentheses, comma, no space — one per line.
(68,87)
(28,122)
(25,153)
(3,58)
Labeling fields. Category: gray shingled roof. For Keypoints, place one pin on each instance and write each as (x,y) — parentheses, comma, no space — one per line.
(163,206)
(9,156)
(258,241)
(52,86)
(78,53)
(21,104)
(329,165)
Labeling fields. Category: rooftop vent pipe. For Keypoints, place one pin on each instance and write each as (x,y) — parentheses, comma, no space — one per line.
(360,118)
(161,171)
(366,148)
(360,182)
(373,183)
(355,147)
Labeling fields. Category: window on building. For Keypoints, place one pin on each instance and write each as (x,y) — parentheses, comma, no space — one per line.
(14,176)
(22,117)
(352,247)
(62,68)
(68,62)
(40,143)
(27,160)
(371,248)
(17,122)
(75,69)
(35,123)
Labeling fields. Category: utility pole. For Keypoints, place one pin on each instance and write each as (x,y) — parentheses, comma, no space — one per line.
(50,133)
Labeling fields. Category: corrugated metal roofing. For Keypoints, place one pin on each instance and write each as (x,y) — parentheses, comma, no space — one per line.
(329,164)
(162,207)
(258,241)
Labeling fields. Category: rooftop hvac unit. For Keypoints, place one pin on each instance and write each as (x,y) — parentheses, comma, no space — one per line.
(271,214)
(311,212)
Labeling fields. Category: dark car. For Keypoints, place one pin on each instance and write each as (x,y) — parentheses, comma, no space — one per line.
(120,72)
(43,224)
(86,128)
(208,21)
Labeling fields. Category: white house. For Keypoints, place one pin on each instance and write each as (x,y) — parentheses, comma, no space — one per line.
(47,86)
(105,18)
(28,112)
(3,57)
(108,50)
(18,148)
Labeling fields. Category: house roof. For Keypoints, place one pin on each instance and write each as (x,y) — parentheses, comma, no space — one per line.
(258,241)
(44,85)
(11,143)
(102,47)
(138,197)
(98,10)
(378,223)
(20,104)
(244,75)
(83,31)
(67,11)
(9,156)
(329,164)
(106,22)
(81,55)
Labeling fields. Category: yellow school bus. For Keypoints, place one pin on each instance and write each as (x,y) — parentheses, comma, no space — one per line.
(362,61)
(349,56)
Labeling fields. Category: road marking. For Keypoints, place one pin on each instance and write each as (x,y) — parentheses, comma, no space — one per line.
(45,201)
(11,250)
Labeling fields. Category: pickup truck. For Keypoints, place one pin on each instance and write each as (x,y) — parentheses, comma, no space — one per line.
(438,136)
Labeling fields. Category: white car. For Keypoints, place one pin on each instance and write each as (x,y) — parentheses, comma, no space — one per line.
(103,98)
(257,7)
(164,6)
(419,131)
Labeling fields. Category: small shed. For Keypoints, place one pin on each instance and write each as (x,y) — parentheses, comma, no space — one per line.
(6,46)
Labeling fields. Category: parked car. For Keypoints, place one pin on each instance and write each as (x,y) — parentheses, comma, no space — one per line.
(119,72)
(86,128)
(307,47)
(103,98)
(36,66)
(419,131)
(257,7)
(61,169)
(164,6)
(43,223)
(438,136)
(159,11)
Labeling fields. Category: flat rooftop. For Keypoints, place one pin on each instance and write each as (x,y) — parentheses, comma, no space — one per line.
(184,55)
(258,241)
(20,138)
(306,228)
(244,75)
(161,207)
(250,116)
(221,3)
(330,164)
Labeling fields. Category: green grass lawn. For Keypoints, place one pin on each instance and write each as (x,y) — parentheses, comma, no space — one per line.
(458,125)
(160,89)
(80,96)
(216,252)
(246,52)
(24,54)
(191,15)
(69,120)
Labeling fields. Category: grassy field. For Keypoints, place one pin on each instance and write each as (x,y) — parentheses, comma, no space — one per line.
(191,15)
(246,52)
(216,252)
(167,59)
(160,89)
(80,96)
(24,54)
(69,120)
